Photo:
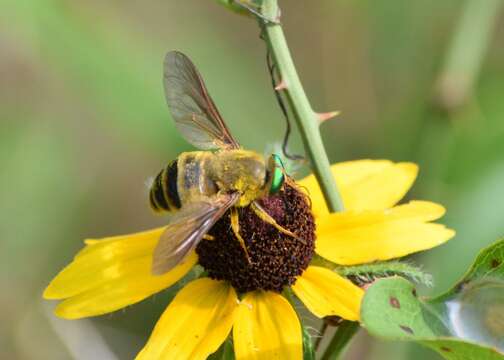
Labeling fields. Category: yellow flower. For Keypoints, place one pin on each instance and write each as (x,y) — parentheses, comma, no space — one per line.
(111,273)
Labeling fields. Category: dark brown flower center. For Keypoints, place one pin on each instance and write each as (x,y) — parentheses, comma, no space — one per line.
(276,259)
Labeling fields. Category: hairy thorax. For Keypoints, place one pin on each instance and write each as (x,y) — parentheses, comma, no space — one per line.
(204,174)
(240,170)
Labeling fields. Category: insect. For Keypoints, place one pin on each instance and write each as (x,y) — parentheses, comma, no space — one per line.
(199,187)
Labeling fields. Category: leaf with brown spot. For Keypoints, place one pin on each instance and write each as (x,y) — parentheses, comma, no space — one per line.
(395,303)
(392,310)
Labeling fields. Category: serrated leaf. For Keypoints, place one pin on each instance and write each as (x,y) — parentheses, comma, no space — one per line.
(366,273)
(467,322)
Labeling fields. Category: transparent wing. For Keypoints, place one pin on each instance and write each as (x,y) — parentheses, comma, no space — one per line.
(186,229)
(192,108)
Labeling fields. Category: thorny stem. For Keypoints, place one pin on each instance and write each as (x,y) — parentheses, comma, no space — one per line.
(306,119)
(308,122)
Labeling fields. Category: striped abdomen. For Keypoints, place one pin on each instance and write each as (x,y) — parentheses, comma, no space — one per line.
(164,195)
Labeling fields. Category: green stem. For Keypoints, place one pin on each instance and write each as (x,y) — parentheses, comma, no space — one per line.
(308,124)
(306,119)
(338,343)
(467,50)
(323,330)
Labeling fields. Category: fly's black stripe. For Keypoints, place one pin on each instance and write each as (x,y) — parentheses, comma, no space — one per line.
(170,184)
(164,194)
(157,192)
(152,202)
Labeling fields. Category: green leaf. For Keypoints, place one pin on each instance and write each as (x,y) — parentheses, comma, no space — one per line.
(366,273)
(467,322)
(488,265)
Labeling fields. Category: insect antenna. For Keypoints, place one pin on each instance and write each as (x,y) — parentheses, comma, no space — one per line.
(273,71)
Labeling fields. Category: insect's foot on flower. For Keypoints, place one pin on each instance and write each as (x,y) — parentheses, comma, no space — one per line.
(276,259)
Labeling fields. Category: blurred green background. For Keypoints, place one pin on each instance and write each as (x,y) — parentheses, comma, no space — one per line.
(83,125)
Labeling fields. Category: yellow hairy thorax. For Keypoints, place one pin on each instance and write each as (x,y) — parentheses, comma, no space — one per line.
(240,170)
(203,174)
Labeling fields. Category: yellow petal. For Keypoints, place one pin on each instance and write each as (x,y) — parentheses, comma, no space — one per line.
(267,327)
(357,237)
(195,324)
(419,210)
(365,184)
(326,293)
(111,273)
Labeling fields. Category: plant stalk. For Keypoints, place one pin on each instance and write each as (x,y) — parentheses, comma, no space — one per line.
(338,343)
(467,51)
(308,123)
(306,119)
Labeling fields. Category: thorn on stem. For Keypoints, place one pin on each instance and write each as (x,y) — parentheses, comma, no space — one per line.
(282,85)
(278,16)
(326,116)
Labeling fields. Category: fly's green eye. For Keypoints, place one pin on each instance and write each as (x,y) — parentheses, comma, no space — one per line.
(277,174)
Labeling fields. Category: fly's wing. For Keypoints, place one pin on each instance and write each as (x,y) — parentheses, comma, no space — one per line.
(192,108)
(186,229)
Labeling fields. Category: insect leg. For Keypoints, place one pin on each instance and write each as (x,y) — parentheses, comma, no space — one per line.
(264,216)
(235,226)
(274,75)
